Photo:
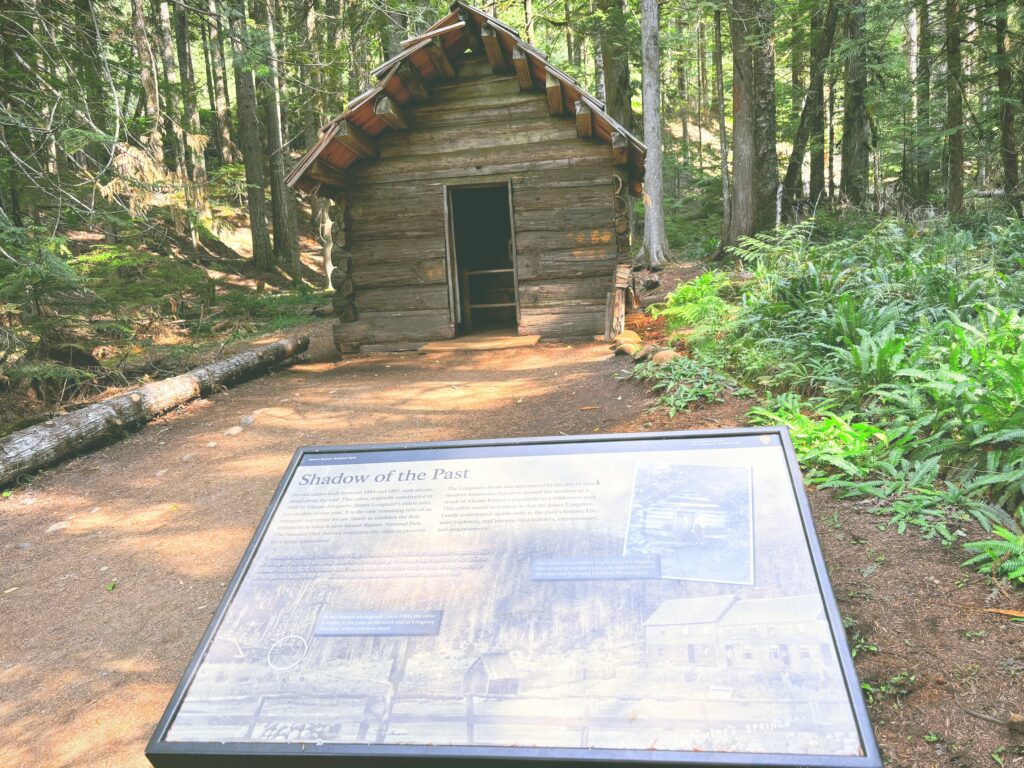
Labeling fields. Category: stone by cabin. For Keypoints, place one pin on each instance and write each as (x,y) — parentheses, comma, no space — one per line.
(474,187)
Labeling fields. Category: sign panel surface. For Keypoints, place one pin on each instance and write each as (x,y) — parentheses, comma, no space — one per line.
(639,598)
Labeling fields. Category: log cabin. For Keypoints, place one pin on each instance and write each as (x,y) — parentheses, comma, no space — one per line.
(474,187)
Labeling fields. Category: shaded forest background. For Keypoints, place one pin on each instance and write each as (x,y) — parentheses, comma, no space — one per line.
(143,146)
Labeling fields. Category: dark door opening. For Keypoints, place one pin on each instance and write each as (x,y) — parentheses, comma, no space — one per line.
(483,270)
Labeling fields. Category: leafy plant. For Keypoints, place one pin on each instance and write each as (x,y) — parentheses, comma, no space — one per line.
(697,307)
(1000,558)
(682,382)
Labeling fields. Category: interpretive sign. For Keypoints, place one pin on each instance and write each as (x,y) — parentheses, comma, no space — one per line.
(628,599)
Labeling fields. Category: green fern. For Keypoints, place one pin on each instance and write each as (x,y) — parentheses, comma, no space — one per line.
(999,558)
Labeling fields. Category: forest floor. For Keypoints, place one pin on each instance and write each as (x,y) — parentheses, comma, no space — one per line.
(147,304)
(114,563)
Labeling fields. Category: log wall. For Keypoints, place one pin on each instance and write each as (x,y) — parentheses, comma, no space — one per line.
(479,128)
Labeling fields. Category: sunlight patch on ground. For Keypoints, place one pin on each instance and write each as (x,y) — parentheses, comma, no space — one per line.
(196,554)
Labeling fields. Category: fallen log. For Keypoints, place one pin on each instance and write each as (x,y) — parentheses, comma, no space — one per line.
(72,433)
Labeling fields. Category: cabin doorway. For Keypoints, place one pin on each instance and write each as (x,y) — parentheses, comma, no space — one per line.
(482,281)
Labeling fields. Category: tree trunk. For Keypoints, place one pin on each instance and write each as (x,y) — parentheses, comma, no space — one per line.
(219,16)
(796,69)
(211,96)
(152,140)
(831,138)
(701,87)
(354,21)
(853,181)
(599,89)
(755,179)
(313,117)
(172,111)
(615,62)
(922,89)
(1007,129)
(955,116)
(816,107)
(683,95)
(654,249)
(314,107)
(72,433)
(723,142)
(195,138)
(249,137)
(812,112)
(222,116)
(282,199)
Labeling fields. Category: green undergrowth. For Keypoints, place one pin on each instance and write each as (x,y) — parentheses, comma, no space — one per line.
(894,355)
(79,317)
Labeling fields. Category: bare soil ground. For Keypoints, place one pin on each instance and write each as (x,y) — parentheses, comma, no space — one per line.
(111,565)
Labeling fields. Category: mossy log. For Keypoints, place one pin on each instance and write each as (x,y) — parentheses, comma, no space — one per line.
(72,433)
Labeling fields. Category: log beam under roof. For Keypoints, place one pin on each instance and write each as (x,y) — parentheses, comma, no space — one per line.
(521,62)
(492,46)
(584,121)
(413,81)
(357,141)
(326,174)
(390,113)
(437,55)
(553,86)
(620,149)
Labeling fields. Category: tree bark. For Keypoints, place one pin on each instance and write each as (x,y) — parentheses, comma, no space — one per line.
(72,433)
(219,17)
(653,251)
(811,114)
(922,88)
(723,140)
(701,88)
(313,116)
(172,110)
(152,140)
(831,138)
(1007,108)
(195,138)
(222,116)
(796,68)
(683,95)
(615,62)
(853,180)
(816,106)
(755,181)
(282,199)
(249,137)
(955,116)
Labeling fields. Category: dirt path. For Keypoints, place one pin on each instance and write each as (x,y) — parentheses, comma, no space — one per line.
(86,670)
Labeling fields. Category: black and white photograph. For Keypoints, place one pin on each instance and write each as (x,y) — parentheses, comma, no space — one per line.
(697,519)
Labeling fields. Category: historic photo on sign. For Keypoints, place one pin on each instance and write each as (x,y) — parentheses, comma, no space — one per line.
(696,519)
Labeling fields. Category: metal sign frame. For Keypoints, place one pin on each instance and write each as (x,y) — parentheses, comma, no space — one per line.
(165,754)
